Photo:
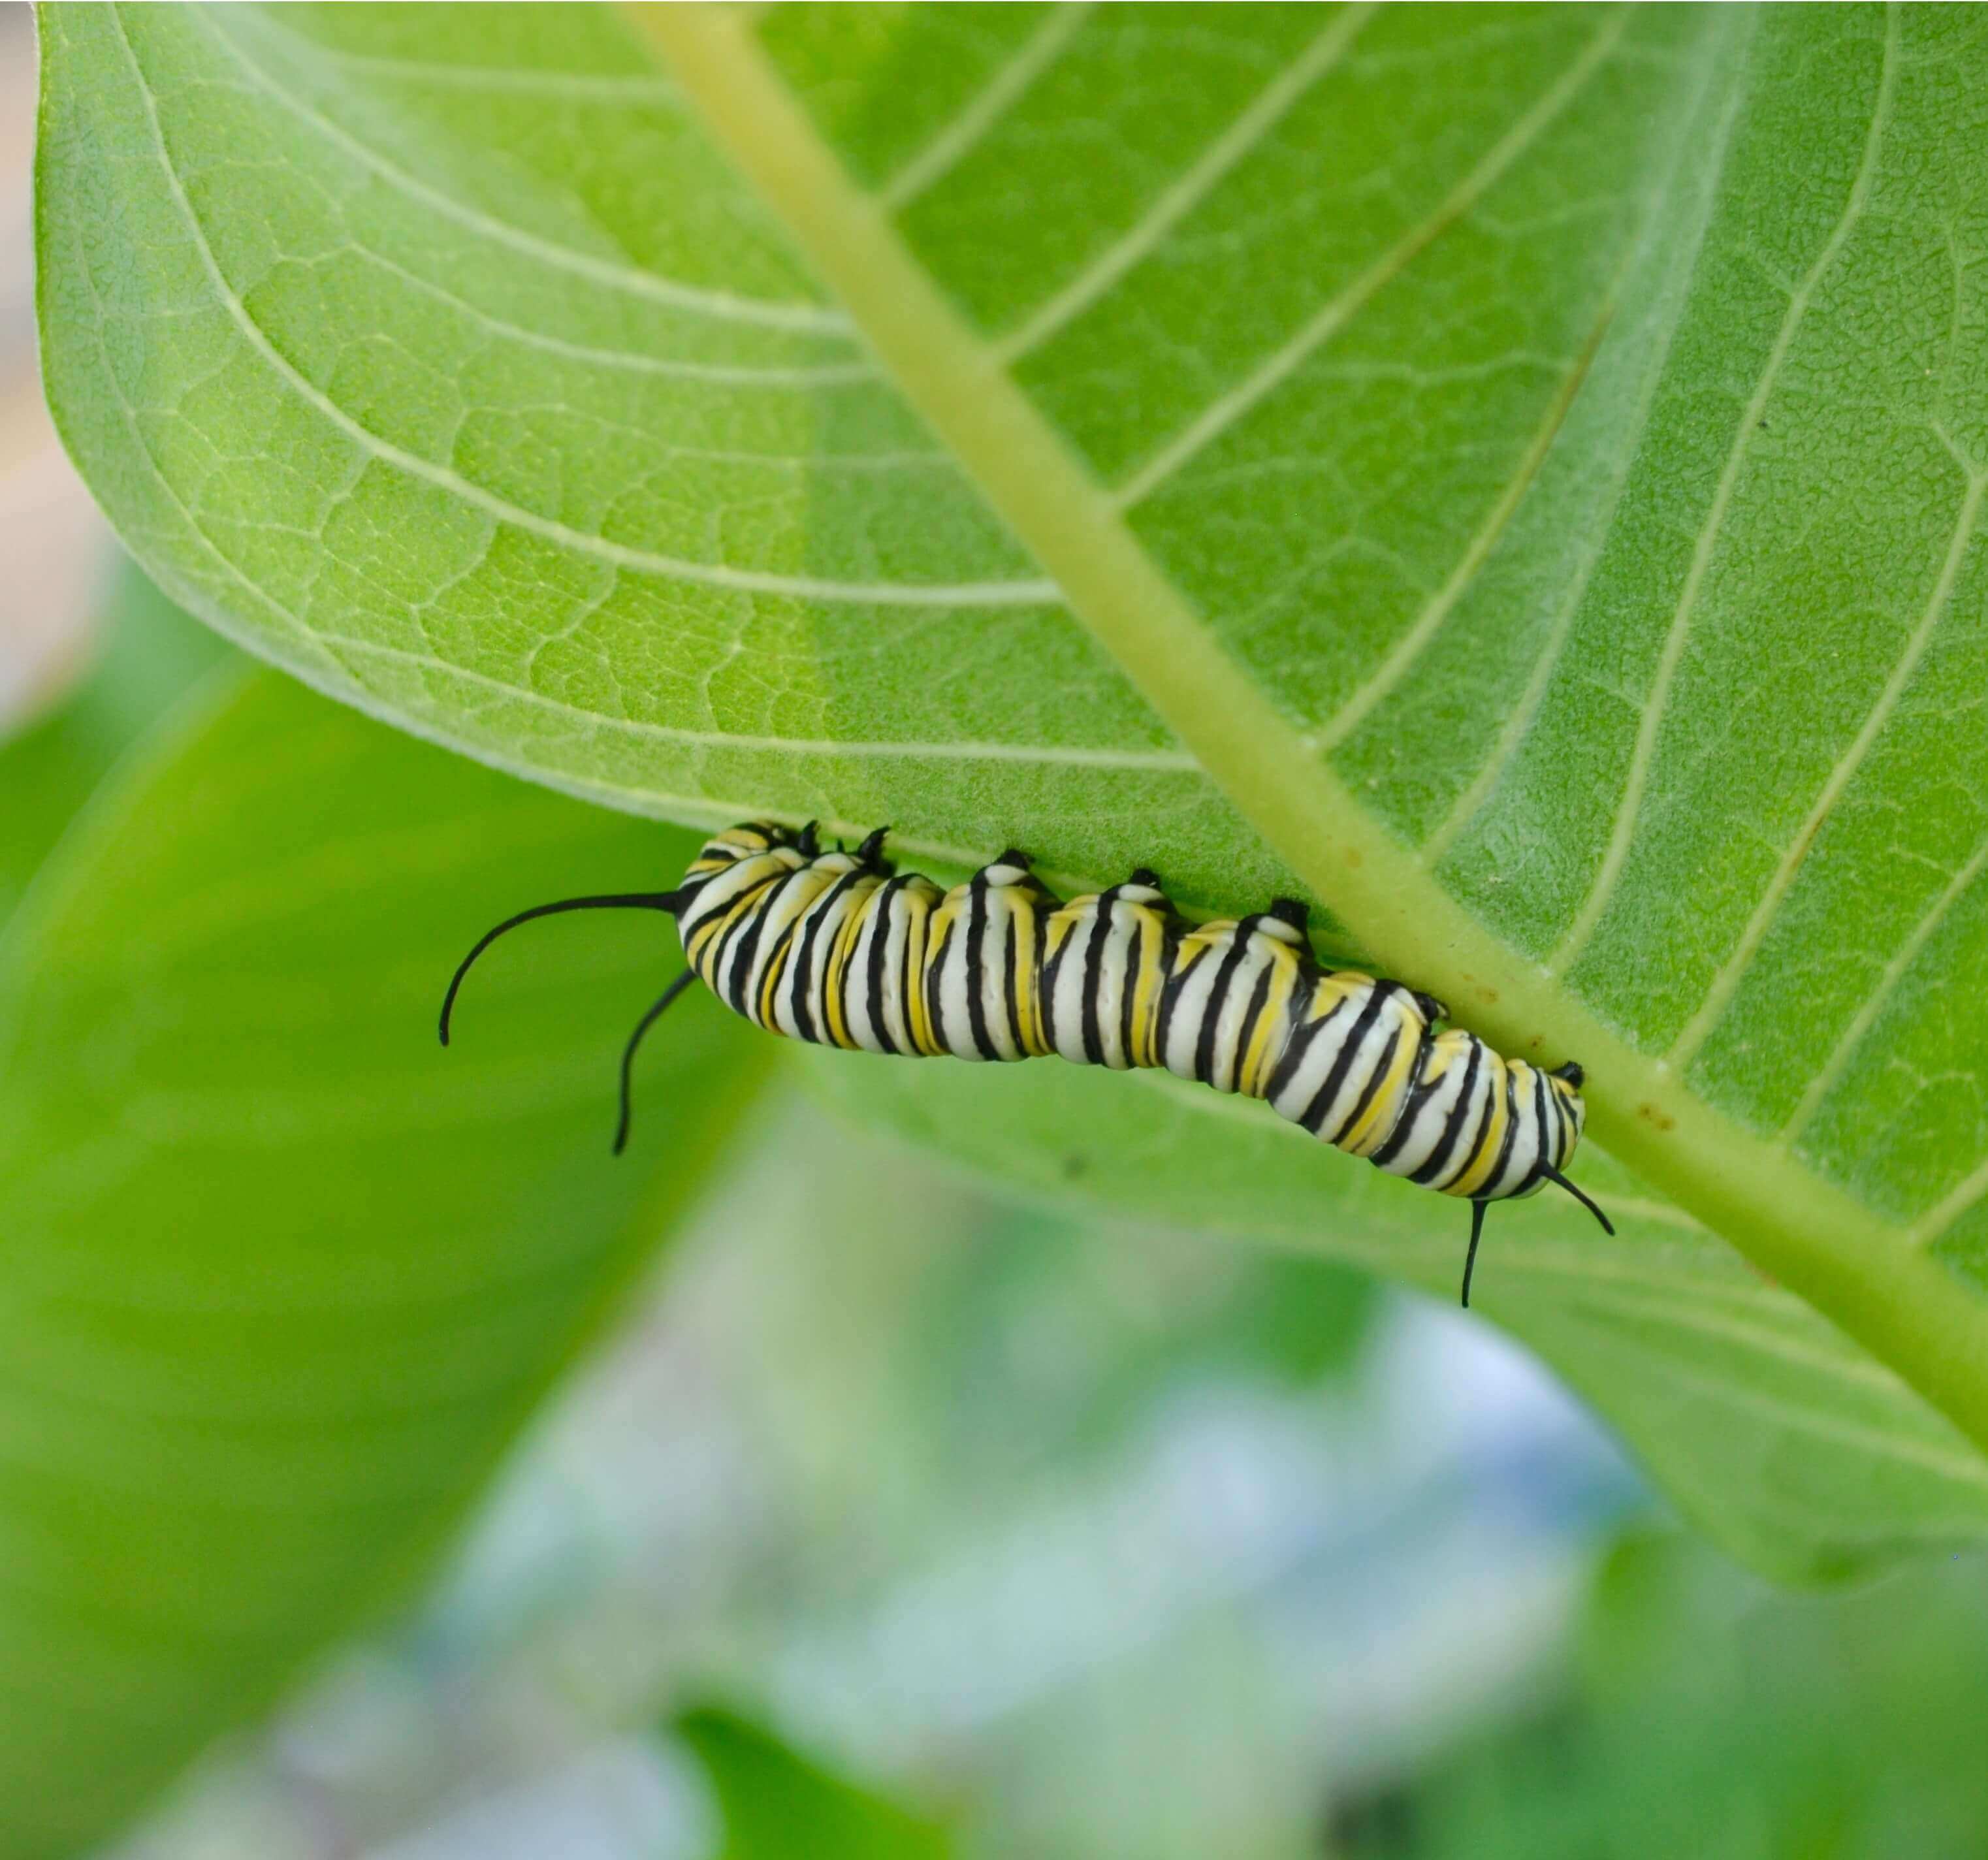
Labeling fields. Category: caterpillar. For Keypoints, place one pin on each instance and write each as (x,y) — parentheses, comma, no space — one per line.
(839,948)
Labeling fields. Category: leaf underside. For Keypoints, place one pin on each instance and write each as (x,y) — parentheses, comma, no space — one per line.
(282,1278)
(1587,515)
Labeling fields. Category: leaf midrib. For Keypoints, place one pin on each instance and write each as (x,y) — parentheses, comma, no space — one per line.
(1863,1272)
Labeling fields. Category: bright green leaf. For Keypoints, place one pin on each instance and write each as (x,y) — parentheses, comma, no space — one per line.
(282,1276)
(152,655)
(1515,475)
(777,1804)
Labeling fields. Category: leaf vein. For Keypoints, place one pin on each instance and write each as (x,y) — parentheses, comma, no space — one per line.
(1629,809)
(1018,593)
(1270,374)
(722,306)
(1727,982)
(1186,192)
(952,143)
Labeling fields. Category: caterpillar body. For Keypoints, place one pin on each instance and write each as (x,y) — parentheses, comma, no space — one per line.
(837,947)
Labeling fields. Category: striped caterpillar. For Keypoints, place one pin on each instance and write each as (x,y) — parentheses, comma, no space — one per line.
(839,949)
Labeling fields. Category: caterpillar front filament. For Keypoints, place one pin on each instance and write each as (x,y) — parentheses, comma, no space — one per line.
(839,949)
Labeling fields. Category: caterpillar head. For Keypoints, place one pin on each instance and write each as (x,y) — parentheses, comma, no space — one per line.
(1566,1082)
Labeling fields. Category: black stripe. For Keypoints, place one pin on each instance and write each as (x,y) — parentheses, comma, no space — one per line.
(1093,973)
(880,918)
(909,981)
(1217,995)
(1128,981)
(1453,1125)
(1419,1094)
(1170,995)
(809,1026)
(1541,1161)
(1335,1079)
(1049,967)
(1565,1118)
(976,958)
(716,921)
(1511,1128)
(1251,1015)
(740,937)
(748,943)
(1371,1090)
(693,882)
(931,983)
(782,945)
(1011,978)
(1297,1043)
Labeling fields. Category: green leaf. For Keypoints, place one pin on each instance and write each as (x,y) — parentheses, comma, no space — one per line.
(153,654)
(1707,1717)
(1774,1432)
(282,1277)
(1515,477)
(777,1804)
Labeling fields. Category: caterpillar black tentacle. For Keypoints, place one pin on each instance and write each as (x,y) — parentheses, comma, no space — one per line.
(839,949)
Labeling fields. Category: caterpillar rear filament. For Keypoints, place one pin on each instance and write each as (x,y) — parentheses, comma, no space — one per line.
(838,948)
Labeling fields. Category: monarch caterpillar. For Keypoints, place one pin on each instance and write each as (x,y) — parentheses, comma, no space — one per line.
(838,948)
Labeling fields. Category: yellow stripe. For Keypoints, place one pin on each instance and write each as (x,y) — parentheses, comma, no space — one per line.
(777,966)
(1379,1117)
(832,1016)
(918,915)
(939,929)
(1264,1044)
(1484,1159)
(1148,978)
(1027,980)
(712,938)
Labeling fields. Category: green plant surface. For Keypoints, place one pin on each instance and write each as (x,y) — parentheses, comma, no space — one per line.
(1706,1716)
(282,1277)
(775,1803)
(1774,1432)
(49,768)
(1512,476)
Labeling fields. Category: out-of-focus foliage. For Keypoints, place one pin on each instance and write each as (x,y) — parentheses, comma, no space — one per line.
(1706,1716)
(777,1804)
(1777,1434)
(281,1278)
(47,769)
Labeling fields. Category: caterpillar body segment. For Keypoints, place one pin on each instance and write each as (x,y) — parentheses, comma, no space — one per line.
(838,947)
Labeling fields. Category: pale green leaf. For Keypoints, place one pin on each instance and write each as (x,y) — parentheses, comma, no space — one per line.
(1514,475)
(282,1276)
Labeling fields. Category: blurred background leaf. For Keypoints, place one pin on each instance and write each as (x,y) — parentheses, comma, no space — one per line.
(1707,1717)
(776,1803)
(1784,1440)
(282,1277)
(53,762)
